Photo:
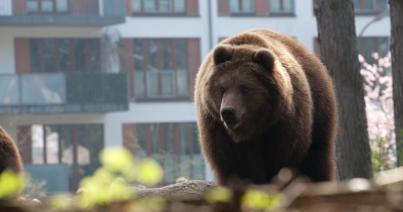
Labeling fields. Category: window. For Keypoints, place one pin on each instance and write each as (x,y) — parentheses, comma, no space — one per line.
(281,6)
(366,47)
(173,145)
(259,8)
(369,6)
(158,6)
(65,55)
(369,45)
(9,90)
(161,68)
(242,6)
(47,6)
(75,146)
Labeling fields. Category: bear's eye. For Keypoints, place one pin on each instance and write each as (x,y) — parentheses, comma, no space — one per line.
(221,90)
(244,90)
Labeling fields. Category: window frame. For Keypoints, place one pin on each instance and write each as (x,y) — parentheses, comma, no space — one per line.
(78,171)
(282,12)
(145,97)
(151,139)
(37,54)
(157,13)
(54,8)
(375,42)
(240,13)
(369,12)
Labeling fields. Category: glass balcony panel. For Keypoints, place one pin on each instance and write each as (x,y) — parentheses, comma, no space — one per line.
(61,92)
(9,90)
(43,89)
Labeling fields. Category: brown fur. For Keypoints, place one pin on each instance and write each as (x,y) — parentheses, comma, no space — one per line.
(9,155)
(284,100)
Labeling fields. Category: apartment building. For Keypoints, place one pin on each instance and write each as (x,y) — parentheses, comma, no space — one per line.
(81,75)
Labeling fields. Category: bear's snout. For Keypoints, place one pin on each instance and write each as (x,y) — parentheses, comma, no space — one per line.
(228,116)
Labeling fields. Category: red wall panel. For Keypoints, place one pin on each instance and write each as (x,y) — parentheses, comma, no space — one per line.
(193,62)
(262,7)
(192,7)
(22,55)
(223,7)
(19,7)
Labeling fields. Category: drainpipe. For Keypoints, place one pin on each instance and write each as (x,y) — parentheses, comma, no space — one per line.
(210,24)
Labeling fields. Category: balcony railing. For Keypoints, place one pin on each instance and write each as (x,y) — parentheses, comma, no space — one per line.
(62,12)
(63,93)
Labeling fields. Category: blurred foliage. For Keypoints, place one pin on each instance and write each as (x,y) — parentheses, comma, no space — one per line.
(11,184)
(34,189)
(111,182)
(148,172)
(379,156)
(219,194)
(117,159)
(61,201)
(259,200)
(378,88)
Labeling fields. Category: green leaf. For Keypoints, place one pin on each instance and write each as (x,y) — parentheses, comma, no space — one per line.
(149,172)
(117,159)
(103,188)
(259,200)
(119,190)
(219,194)
(93,193)
(11,184)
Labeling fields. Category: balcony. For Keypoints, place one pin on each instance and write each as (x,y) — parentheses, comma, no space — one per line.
(97,13)
(63,93)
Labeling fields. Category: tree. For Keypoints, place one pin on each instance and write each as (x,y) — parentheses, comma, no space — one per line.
(338,49)
(396,17)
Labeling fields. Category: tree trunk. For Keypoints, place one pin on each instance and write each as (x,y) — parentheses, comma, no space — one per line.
(396,17)
(338,49)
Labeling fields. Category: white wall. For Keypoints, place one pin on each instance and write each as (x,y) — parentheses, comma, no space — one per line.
(302,26)
(380,28)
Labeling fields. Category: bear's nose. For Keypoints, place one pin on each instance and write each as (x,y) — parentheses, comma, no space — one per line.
(228,116)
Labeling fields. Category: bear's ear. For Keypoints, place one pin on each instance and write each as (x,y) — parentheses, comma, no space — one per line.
(264,58)
(223,54)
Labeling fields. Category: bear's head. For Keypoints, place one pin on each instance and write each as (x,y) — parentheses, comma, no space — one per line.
(249,89)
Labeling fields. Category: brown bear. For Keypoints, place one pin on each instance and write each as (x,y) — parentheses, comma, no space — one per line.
(9,156)
(264,102)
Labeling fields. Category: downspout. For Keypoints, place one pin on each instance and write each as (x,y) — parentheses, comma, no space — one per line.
(210,24)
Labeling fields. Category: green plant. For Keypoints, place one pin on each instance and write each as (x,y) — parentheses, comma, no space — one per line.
(111,182)
(258,200)
(379,155)
(11,184)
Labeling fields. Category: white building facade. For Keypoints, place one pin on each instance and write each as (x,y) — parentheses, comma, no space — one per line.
(62,103)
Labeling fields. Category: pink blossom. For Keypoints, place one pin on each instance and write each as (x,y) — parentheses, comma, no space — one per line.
(379,107)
